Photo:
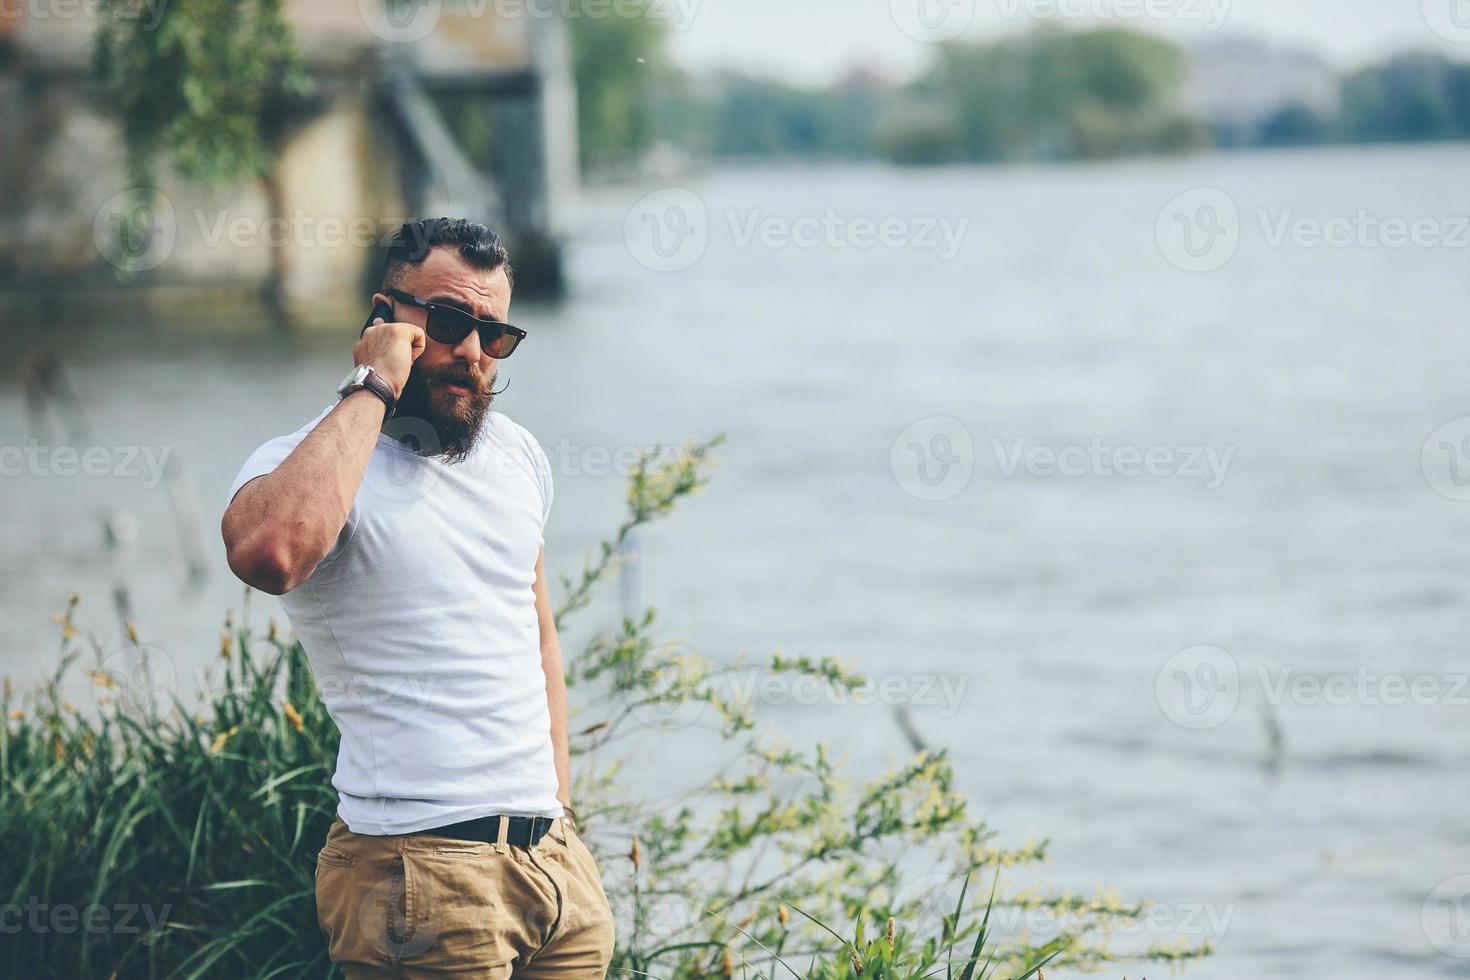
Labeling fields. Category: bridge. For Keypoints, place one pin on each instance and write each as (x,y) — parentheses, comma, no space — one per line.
(462,107)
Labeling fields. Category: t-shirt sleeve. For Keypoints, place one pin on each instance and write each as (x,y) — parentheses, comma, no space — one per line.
(264,461)
(543,480)
(271,455)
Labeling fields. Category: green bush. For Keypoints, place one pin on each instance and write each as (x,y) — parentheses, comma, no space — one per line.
(201,830)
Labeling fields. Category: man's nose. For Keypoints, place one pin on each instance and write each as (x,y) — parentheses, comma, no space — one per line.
(469,348)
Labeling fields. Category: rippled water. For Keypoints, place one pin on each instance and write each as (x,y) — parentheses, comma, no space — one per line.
(848,378)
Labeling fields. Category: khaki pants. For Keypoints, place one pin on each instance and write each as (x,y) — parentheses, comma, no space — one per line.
(422,906)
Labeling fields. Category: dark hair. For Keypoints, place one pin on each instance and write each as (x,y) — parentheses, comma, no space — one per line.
(477,245)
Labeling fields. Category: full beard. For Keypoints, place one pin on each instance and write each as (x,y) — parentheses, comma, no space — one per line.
(433,422)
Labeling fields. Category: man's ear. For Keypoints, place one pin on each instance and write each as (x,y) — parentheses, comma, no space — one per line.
(382,307)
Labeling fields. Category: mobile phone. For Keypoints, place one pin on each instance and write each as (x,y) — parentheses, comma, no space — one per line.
(380,309)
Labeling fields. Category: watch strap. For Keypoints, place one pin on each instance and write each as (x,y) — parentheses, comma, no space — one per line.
(372,381)
(375,383)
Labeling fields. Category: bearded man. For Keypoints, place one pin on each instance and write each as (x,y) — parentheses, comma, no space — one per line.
(403,529)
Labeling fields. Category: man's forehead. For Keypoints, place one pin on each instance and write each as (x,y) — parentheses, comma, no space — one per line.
(445,275)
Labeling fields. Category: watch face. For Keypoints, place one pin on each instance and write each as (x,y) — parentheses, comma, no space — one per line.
(354,379)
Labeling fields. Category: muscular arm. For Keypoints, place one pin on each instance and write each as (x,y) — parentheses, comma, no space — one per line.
(556,684)
(280,526)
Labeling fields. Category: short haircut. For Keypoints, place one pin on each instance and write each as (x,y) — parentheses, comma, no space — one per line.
(477,244)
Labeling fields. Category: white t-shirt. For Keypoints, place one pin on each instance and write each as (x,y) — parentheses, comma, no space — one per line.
(421,627)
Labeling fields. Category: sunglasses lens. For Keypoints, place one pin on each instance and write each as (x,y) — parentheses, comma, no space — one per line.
(448,326)
(497,341)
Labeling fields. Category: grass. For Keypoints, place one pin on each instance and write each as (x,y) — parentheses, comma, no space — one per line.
(148,840)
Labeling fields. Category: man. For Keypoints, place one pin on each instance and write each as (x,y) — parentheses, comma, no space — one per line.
(402,529)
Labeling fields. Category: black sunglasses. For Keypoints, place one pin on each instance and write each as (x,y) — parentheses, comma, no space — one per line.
(450,325)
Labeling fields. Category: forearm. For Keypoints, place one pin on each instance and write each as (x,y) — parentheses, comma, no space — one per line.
(556,703)
(280,526)
(556,683)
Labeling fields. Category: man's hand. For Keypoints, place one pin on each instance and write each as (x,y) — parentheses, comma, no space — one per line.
(390,349)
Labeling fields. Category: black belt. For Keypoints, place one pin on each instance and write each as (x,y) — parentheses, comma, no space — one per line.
(522,832)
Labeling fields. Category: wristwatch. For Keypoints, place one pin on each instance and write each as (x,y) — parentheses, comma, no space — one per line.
(363,376)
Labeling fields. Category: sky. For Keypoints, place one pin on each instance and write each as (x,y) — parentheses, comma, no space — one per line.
(813,41)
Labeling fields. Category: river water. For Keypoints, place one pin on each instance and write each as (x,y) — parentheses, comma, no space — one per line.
(1161,540)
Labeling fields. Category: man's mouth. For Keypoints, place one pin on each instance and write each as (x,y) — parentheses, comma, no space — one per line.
(456,389)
